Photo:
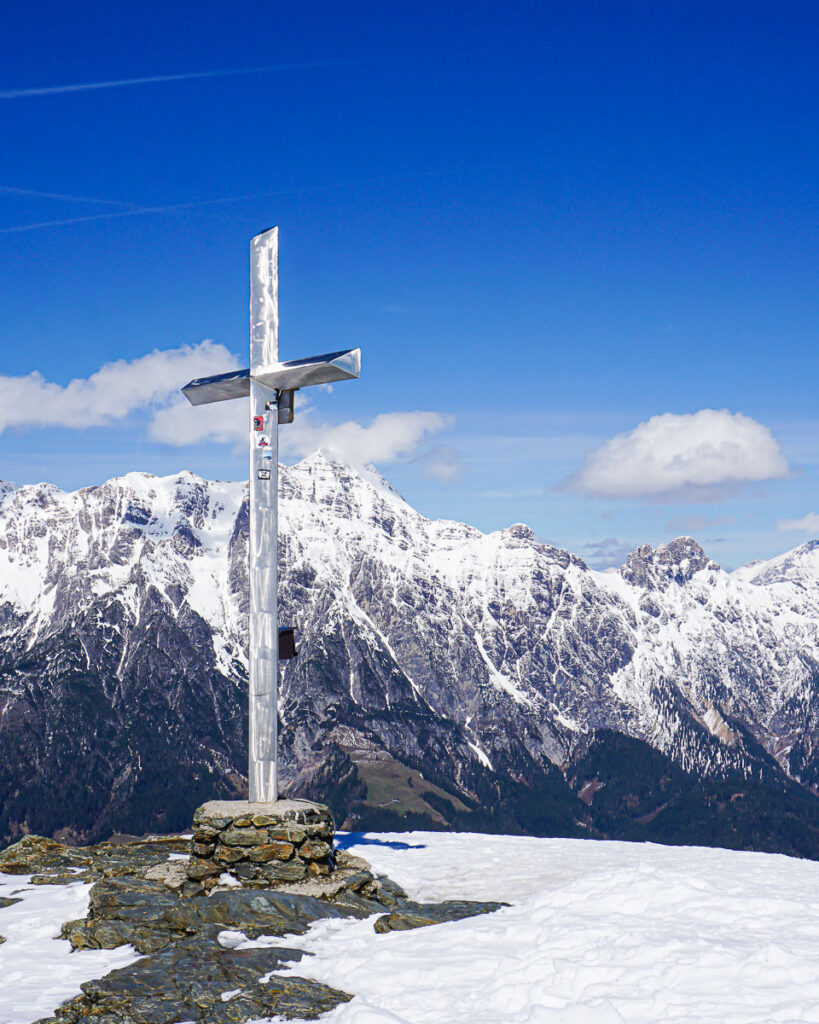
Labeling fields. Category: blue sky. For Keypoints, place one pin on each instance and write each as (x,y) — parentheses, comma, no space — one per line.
(544,224)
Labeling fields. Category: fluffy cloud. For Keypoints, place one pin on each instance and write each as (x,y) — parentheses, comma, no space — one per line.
(151,384)
(807,524)
(390,436)
(112,393)
(387,437)
(181,424)
(696,455)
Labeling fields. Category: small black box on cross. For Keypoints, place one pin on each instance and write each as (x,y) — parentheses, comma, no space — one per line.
(287,643)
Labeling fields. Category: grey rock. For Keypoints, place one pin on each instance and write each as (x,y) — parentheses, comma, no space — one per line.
(199,868)
(243,836)
(272,851)
(186,982)
(53,863)
(172,873)
(281,871)
(287,834)
(298,811)
(206,834)
(315,849)
(231,854)
(421,915)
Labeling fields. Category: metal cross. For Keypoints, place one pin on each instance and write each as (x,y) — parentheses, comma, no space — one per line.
(270,385)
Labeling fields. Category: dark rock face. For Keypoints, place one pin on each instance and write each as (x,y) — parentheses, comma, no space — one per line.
(52,863)
(146,915)
(186,982)
(445,678)
(676,562)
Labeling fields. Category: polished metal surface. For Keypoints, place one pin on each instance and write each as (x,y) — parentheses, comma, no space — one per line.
(301,373)
(220,388)
(264,299)
(262,552)
(262,577)
(293,374)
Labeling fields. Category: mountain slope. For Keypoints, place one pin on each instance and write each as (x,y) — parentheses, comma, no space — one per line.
(447,674)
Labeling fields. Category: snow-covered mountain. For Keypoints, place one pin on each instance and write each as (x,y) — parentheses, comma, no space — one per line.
(442,671)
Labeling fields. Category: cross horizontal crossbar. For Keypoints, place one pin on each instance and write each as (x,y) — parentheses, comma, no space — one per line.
(295,373)
(220,388)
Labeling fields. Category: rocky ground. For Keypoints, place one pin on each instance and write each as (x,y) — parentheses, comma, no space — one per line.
(189,970)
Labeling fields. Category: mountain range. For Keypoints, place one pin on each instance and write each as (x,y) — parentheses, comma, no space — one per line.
(446,678)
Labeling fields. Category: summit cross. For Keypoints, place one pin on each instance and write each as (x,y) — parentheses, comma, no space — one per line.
(270,385)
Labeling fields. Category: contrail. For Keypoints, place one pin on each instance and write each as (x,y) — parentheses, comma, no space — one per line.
(12,190)
(136,211)
(53,90)
(133,210)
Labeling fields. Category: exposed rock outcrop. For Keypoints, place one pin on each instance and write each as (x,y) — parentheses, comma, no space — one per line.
(195,965)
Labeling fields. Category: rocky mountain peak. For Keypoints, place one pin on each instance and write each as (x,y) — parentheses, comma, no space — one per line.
(800,566)
(330,480)
(674,562)
(520,531)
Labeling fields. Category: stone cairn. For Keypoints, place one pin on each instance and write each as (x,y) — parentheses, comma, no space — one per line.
(260,845)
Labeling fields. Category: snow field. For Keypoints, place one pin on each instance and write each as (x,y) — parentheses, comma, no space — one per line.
(598,933)
(38,971)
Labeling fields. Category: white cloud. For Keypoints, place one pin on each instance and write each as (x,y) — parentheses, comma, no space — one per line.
(390,436)
(807,524)
(692,455)
(112,393)
(152,382)
(181,424)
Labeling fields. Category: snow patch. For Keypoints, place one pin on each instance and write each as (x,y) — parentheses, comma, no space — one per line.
(597,932)
(481,755)
(38,970)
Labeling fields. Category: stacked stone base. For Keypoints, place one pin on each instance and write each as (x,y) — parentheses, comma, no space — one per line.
(260,845)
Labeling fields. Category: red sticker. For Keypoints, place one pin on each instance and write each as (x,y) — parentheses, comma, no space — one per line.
(258,422)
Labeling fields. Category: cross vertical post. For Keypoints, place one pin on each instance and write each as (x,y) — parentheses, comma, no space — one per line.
(270,385)
(263,675)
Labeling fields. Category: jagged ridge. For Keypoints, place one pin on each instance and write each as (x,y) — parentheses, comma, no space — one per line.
(482,662)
